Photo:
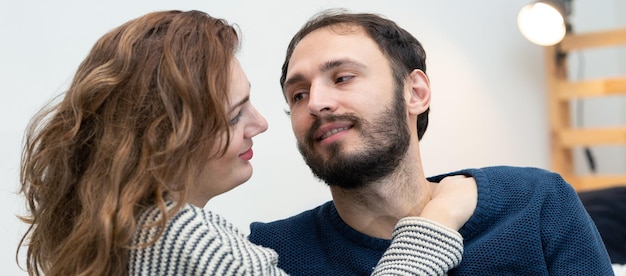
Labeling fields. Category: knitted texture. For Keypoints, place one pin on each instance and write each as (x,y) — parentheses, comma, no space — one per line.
(198,242)
(434,248)
(527,221)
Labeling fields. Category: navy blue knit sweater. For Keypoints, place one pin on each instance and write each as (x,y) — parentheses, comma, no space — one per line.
(528,221)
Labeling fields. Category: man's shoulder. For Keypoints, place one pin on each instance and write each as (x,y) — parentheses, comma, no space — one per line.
(530,177)
(518,170)
(524,178)
(508,171)
(303,220)
(507,184)
(509,174)
(506,174)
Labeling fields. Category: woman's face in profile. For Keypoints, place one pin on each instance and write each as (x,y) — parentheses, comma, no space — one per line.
(233,168)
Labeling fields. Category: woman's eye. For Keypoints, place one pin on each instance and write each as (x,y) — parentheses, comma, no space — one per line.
(235,119)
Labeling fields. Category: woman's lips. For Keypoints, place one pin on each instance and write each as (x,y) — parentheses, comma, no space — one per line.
(246,155)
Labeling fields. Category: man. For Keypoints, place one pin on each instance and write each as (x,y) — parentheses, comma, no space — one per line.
(359,99)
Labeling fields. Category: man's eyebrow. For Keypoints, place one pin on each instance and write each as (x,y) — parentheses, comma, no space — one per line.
(327,66)
(332,64)
(293,79)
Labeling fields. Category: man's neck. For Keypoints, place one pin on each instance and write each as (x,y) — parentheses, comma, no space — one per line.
(374,210)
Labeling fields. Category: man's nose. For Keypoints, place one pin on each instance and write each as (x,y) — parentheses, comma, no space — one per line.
(321,99)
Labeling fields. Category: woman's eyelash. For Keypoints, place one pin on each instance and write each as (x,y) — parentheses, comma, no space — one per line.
(235,119)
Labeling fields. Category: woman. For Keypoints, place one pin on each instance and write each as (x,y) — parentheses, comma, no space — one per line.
(156,122)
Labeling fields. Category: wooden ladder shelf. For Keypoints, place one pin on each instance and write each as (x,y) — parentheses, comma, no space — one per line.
(561,91)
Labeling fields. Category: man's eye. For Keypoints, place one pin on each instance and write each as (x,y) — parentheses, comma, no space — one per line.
(343,79)
(297,97)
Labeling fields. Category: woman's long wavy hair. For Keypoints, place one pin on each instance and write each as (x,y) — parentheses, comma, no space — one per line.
(142,116)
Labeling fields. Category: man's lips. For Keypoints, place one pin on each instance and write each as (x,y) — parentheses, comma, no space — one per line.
(328,130)
(331,125)
(331,132)
(246,155)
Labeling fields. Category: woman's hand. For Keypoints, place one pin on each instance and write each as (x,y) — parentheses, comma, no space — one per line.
(453,201)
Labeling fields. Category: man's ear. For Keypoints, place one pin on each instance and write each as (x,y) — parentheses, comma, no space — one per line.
(417,92)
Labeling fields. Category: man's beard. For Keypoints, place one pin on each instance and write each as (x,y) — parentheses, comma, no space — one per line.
(385,142)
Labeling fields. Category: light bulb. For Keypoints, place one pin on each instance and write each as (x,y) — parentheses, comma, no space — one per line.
(541,24)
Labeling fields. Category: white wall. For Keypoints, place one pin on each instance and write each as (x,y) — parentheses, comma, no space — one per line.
(488,85)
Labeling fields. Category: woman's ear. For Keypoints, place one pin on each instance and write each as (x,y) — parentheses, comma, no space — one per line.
(417,92)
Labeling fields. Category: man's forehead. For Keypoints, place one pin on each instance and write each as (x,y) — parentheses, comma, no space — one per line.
(338,29)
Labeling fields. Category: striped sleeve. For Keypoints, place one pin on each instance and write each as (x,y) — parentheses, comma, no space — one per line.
(186,247)
(197,242)
(421,247)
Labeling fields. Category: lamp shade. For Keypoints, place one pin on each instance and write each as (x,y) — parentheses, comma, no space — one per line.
(541,23)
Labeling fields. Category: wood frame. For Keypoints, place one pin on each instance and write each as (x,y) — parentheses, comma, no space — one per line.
(563,136)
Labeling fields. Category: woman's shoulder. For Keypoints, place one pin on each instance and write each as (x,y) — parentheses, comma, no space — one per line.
(189,218)
(188,221)
(187,239)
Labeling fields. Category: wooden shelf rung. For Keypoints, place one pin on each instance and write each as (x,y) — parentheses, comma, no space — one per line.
(592,136)
(591,88)
(592,182)
(593,39)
